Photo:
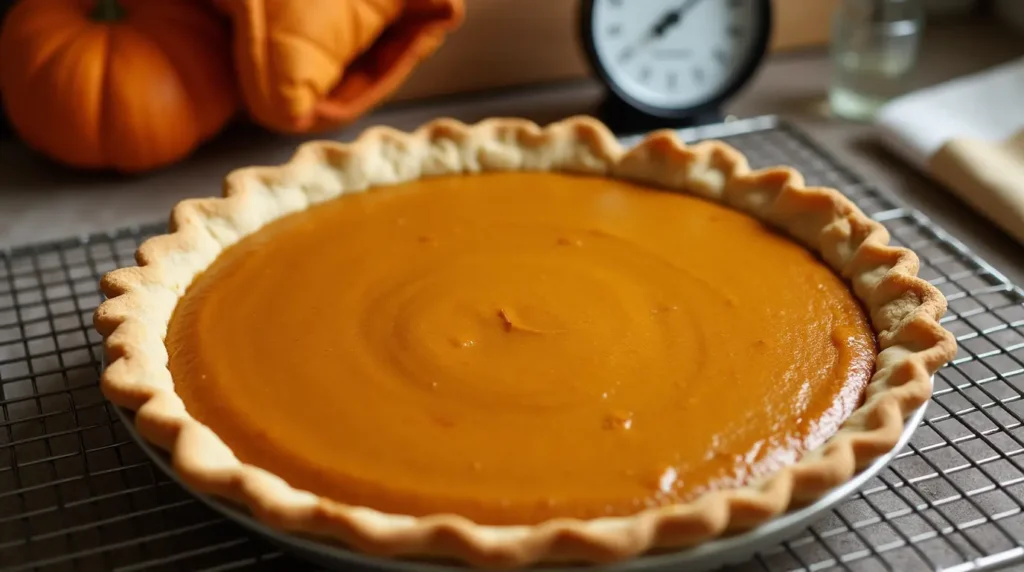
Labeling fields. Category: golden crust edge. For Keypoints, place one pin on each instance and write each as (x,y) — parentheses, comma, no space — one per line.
(904,311)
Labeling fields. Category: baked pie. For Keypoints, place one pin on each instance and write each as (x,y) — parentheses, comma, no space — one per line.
(508,344)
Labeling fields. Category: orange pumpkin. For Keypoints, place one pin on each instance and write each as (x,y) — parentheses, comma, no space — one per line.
(124,84)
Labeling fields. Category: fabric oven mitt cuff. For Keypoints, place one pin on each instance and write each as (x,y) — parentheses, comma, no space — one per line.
(315,65)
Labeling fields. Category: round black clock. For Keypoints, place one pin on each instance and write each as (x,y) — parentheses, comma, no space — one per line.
(673,61)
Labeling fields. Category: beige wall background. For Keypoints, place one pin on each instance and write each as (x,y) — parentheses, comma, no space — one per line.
(506,43)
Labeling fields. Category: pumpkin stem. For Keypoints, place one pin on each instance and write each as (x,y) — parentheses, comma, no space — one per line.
(107,11)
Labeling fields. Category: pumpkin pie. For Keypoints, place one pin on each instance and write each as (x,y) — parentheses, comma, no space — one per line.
(507,344)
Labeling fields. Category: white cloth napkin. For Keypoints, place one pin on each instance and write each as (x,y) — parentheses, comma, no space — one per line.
(967,134)
(988,105)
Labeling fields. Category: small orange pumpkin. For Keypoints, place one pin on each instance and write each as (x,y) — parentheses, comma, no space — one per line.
(124,84)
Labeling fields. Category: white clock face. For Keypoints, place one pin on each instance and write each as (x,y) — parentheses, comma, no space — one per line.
(674,54)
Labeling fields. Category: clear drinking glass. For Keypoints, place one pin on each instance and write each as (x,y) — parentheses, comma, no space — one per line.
(874,47)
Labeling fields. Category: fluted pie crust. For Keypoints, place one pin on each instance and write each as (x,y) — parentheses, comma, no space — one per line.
(904,311)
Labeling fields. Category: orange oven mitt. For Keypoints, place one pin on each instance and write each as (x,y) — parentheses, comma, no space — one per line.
(316,64)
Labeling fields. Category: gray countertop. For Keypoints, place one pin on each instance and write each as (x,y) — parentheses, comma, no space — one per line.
(41,201)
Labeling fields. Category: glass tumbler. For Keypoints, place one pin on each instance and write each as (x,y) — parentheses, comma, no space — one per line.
(873,48)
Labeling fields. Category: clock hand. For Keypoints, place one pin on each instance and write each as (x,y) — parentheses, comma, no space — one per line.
(668,20)
(671,18)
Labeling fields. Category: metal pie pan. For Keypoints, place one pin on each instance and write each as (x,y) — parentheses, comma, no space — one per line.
(707,556)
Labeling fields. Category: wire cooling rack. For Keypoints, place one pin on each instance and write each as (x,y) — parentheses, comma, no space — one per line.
(77,493)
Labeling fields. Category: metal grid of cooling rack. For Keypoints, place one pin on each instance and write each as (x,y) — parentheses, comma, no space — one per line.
(77,493)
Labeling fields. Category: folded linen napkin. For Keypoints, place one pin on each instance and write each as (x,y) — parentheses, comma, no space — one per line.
(968,134)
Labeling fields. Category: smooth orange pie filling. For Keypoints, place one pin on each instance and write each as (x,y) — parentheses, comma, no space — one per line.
(514,347)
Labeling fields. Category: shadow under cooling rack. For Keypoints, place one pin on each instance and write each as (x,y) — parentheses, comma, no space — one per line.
(77,493)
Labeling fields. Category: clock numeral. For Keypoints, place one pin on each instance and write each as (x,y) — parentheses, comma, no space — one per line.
(734,31)
(615,3)
(698,75)
(736,4)
(721,56)
(645,74)
(672,80)
(614,30)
